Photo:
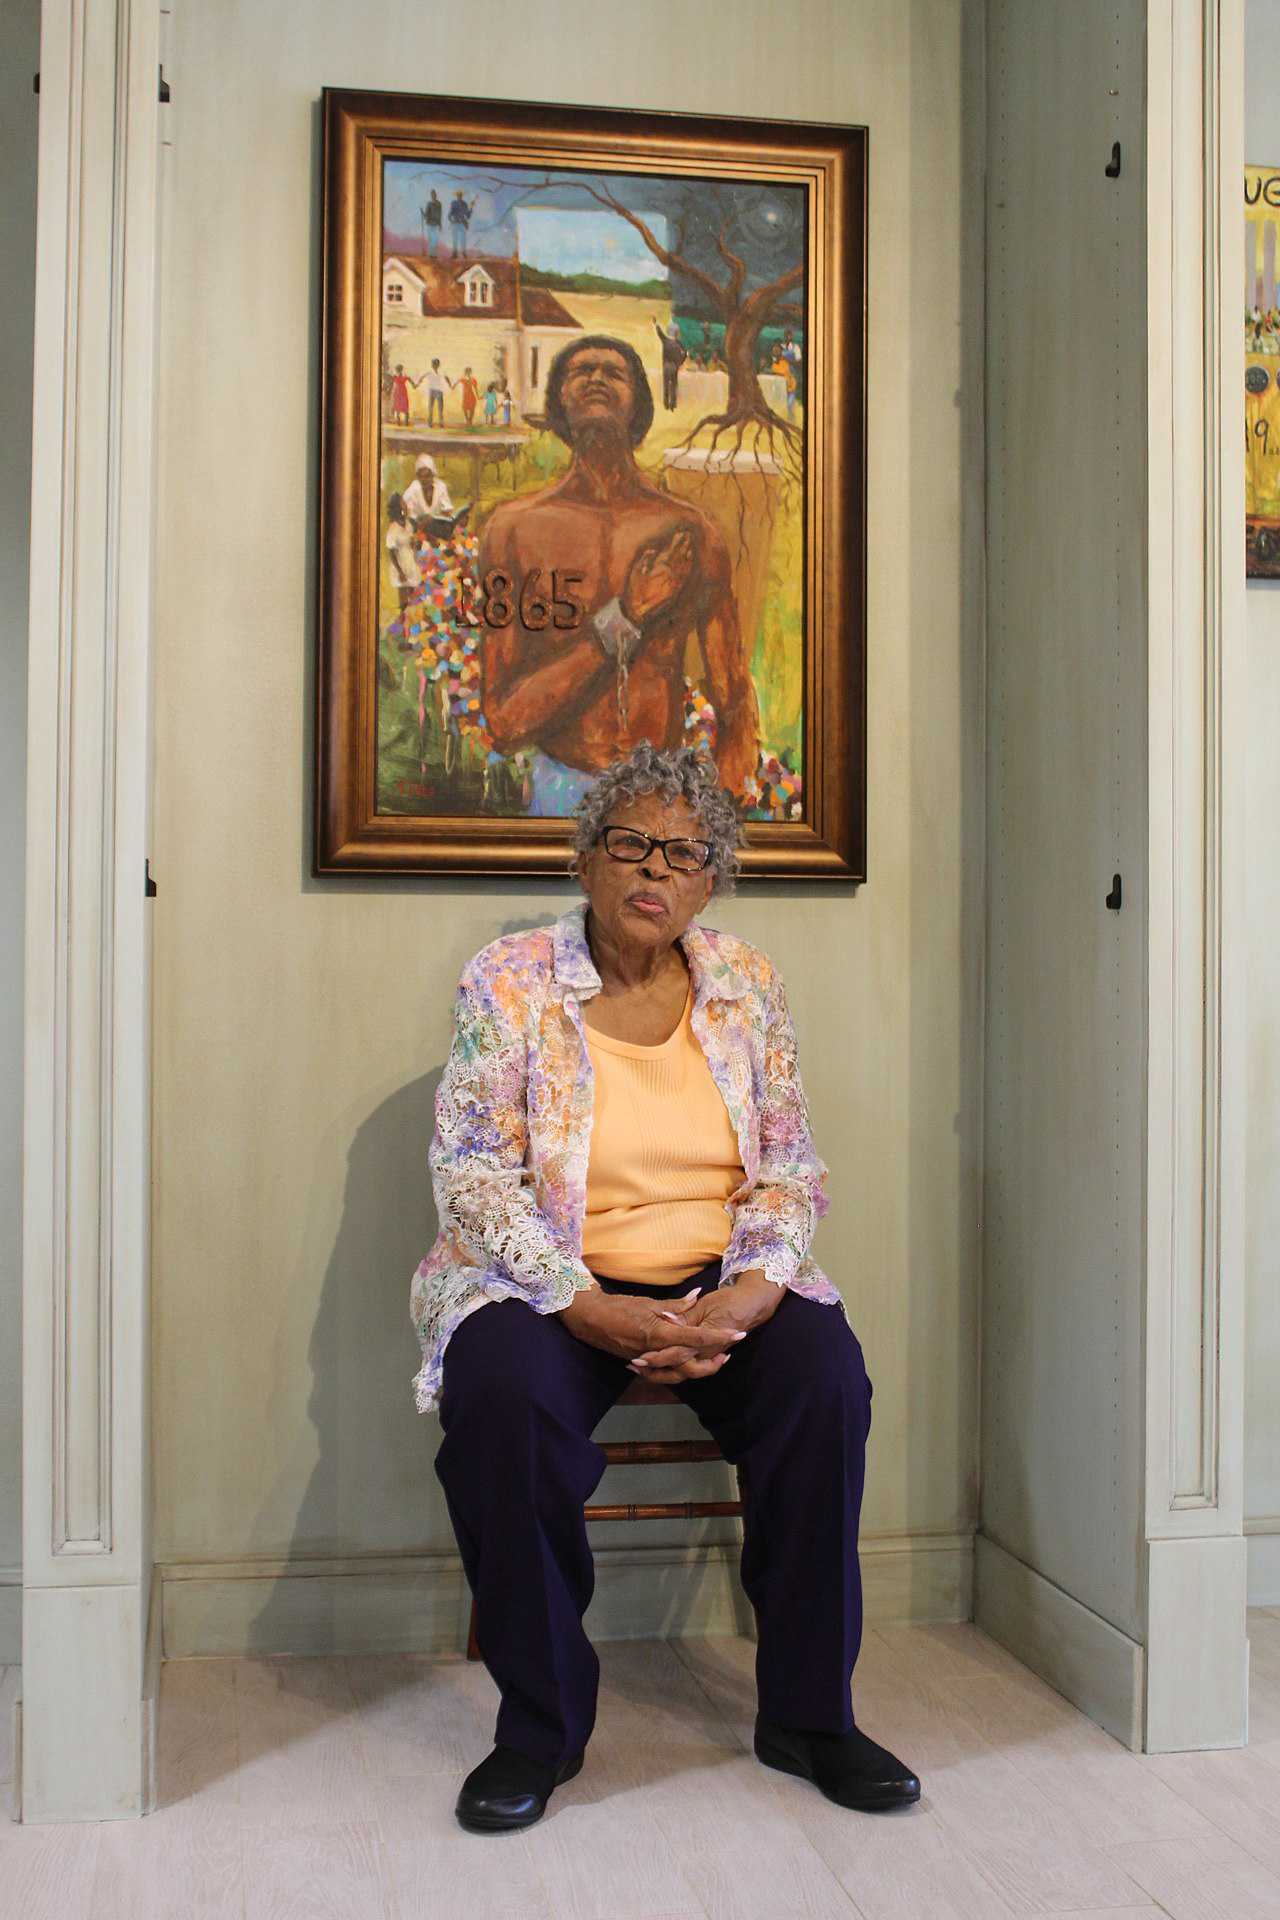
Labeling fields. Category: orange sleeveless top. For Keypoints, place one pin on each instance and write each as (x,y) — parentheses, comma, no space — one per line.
(663,1160)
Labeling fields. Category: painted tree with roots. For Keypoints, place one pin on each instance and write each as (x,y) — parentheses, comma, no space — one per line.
(743,302)
(739,249)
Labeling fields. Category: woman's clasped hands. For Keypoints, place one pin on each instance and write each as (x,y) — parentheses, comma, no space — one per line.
(687,1339)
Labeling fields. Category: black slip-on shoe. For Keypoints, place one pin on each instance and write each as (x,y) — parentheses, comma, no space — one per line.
(509,1791)
(848,1767)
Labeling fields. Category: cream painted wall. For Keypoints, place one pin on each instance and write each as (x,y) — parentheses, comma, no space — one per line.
(19,58)
(1262,1350)
(300,1026)
(1066,805)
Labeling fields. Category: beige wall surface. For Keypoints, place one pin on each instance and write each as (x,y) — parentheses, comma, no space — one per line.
(1066,728)
(301,1025)
(1262,1348)
(19,58)
(1262,1307)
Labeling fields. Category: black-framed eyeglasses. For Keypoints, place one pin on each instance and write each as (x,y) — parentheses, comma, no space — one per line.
(682,856)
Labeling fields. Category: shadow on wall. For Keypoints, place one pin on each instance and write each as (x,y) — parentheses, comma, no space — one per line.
(373,1475)
(343,1588)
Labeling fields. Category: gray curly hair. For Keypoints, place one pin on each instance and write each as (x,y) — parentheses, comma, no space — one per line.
(677,774)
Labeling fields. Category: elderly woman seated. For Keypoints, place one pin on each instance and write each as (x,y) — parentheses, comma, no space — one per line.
(627,1185)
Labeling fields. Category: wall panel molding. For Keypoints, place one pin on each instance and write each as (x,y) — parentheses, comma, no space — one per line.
(1194,1350)
(85,643)
(1193,1165)
(86,1130)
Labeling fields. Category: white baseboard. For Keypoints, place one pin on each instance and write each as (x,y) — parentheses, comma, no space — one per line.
(419,1603)
(10,1617)
(1264,1562)
(1098,1668)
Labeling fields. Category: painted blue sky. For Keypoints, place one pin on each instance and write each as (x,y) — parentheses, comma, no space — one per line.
(561,228)
(558,225)
(563,241)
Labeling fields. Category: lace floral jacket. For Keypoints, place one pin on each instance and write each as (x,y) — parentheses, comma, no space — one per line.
(513,1129)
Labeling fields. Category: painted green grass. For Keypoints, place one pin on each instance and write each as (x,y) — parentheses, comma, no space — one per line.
(412,778)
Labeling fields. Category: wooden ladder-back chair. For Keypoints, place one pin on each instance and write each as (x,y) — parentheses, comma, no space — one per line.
(649,1453)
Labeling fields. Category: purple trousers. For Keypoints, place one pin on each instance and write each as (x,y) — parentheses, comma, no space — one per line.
(520,1400)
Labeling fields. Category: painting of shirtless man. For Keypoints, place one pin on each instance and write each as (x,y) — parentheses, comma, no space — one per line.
(592,589)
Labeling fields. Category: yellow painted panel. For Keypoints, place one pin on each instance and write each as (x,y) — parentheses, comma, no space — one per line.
(1262,371)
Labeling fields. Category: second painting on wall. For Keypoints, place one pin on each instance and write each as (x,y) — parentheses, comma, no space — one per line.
(1262,372)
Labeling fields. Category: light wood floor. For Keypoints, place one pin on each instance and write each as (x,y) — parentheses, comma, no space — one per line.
(315,1788)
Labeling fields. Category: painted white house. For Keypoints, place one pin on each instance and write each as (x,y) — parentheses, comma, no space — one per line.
(483,316)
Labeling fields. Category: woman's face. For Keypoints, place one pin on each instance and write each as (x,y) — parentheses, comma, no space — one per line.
(645,904)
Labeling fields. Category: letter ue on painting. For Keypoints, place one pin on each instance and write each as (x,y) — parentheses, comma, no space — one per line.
(1261,372)
(592,484)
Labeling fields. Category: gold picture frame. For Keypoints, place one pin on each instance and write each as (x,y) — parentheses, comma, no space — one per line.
(498,611)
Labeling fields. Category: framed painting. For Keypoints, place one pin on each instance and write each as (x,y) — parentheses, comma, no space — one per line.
(1261,373)
(592,471)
